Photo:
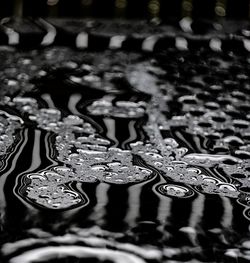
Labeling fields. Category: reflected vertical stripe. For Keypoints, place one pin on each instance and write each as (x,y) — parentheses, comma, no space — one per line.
(82,40)
(111,129)
(101,202)
(36,159)
(165,205)
(49,38)
(197,211)
(227,217)
(132,133)
(164,209)
(49,100)
(15,159)
(48,149)
(116,42)
(149,43)
(134,204)
(13,36)
(73,100)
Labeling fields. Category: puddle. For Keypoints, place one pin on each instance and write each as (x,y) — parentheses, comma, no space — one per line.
(115,157)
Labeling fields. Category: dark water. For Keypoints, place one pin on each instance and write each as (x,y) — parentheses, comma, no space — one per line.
(114,157)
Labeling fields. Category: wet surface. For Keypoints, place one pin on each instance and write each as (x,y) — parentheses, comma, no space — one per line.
(124,157)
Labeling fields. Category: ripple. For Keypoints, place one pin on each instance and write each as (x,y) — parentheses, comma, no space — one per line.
(78,252)
(93,243)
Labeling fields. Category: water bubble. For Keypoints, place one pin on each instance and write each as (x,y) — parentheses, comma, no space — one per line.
(172,190)
(227,187)
(171,142)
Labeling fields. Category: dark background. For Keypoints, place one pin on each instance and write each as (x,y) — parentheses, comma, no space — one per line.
(146,9)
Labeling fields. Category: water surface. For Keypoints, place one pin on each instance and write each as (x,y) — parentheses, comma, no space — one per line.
(114,157)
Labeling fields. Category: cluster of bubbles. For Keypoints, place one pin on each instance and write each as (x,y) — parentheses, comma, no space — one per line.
(100,76)
(94,161)
(215,110)
(216,125)
(91,159)
(48,189)
(238,172)
(210,101)
(88,156)
(97,72)
(50,119)
(104,72)
(121,109)
(17,72)
(198,118)
(9,124)
(183,173)
(170,160)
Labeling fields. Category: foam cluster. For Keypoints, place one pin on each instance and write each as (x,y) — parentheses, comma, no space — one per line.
(9,124)
(47,189)
(121,109)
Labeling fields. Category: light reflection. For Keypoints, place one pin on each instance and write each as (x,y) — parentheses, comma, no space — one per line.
(187,5)
(87,2)
(52,2)
(220,8)
(121,4)
(154,8)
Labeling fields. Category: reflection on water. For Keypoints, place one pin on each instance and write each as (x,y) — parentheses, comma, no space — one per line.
(118,157)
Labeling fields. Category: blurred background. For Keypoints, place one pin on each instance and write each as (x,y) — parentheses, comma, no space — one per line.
(130,9)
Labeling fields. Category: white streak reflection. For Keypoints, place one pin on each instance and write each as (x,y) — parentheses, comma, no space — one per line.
(48,100)
(226,220)
(3,177)
(101,202)
(48,253)
(197,211)
(73,100)
(133,213)
(110,125)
